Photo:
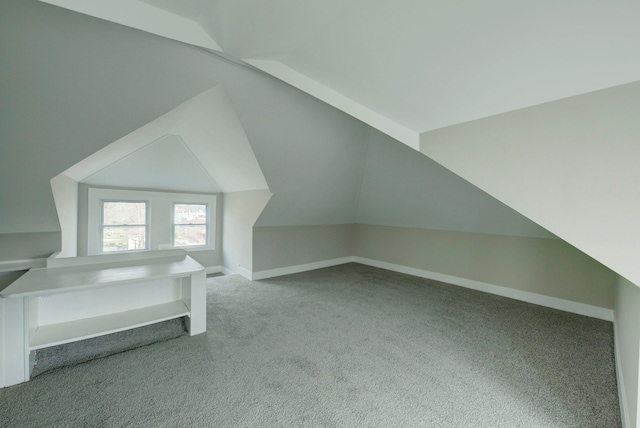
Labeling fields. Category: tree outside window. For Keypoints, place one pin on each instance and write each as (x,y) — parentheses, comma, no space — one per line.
(124,225)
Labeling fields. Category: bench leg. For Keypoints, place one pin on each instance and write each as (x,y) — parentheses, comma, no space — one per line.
(197,322)
(14,342)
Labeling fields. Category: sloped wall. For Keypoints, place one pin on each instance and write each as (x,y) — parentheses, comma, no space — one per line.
(547,267)
(569,165)
(74,85)
(401,187)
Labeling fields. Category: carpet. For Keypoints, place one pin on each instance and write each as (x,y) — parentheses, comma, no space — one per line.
(347,346)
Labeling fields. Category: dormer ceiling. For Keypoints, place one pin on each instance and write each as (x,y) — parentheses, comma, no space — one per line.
(408,67)
(199,146)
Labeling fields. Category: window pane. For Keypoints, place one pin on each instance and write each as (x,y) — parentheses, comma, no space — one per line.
(185,236)
(116,213)
(123,238)
(190,213)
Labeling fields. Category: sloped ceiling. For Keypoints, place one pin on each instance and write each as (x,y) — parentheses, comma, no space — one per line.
(166,164)
(401,188)
(408,67)
(198,146)
(76,84)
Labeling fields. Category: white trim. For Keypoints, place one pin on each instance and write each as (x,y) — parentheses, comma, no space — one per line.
(270,273)
(213,269)
(622,396)
(525,296)
(324,93)
(159,216)
(245,273)
(17,265)
(226,271)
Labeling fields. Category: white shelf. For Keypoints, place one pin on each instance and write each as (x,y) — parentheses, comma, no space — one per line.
(63,279)
(57,334)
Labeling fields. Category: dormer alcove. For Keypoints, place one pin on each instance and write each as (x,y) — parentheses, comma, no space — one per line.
(195,154)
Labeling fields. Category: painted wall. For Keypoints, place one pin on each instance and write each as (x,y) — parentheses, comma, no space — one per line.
(549,267)
(65,195)
(75,84)
(401,187)
(283,246)
(570,165)
(22,246)
(310,153)
(627,316)
(239,214)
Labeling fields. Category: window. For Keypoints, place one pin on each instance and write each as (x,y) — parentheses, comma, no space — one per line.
(123,226)
(190,224)
(136,220)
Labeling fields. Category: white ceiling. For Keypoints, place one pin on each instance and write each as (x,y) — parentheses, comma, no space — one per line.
(407,67)
(200,146)
(166,164)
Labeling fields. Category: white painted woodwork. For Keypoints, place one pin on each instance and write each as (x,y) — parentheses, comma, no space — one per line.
(70,331)
(145,17)
(79,298)
(65,194)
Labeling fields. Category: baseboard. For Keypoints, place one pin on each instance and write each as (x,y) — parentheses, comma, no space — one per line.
(226,271)
(622,395)
(245,272)
(213,269)
(270,273)
(525,296)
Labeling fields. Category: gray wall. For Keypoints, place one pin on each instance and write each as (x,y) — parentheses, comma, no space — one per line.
(282,246)
(23,246)
(402,187)
(627,316)
(549,267)
(73,84)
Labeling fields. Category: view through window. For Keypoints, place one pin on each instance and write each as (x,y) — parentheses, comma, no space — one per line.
(124,225)
(190,224)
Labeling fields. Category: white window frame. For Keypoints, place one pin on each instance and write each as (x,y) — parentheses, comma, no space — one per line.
(159,216)
(102,226)
(173,223)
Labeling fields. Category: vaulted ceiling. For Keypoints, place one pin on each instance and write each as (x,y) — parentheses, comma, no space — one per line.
(407,67)
(555,86)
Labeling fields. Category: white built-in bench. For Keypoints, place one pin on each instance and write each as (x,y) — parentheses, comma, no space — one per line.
(82,297)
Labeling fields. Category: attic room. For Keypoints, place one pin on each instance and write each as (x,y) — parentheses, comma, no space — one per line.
(488,147)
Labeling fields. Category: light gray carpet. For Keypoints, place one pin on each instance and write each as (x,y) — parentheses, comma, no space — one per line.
(349,346)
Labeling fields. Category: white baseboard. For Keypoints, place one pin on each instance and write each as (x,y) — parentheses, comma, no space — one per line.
(622,395)
(270,273)
(226,271)
(213,269)
(525,296)
(245,272)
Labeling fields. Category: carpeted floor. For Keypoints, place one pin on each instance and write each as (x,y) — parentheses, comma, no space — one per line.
(348,346)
